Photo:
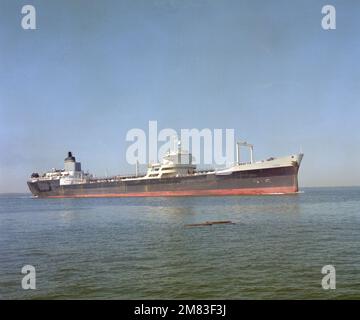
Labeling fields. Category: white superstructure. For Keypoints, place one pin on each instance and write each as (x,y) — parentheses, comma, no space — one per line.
(71,174)
(174,164)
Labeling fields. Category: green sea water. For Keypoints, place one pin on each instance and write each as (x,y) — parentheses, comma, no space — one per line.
(141,248)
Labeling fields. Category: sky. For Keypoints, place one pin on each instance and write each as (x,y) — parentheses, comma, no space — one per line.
(93,70)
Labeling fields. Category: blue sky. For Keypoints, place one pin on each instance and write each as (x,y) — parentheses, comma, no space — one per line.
(95,69)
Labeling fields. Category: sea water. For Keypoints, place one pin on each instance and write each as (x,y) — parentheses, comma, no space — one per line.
(141,248)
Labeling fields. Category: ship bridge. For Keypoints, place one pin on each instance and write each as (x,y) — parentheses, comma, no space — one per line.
(174,164)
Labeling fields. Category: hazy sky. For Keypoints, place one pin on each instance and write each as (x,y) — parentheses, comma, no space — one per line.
(95,69)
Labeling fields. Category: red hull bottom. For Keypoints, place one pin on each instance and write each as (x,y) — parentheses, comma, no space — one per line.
(184,193)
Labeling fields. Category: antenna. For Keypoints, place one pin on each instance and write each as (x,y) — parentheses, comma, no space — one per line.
(174,142)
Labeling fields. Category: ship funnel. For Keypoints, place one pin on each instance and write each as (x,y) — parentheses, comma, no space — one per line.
(71,164)
(70,157)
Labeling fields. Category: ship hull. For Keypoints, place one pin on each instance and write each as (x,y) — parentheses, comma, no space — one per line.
(278,180)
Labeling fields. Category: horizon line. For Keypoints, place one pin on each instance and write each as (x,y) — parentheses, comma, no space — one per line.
(350,186)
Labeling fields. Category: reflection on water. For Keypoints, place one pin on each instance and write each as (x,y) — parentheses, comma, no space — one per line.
(140,248)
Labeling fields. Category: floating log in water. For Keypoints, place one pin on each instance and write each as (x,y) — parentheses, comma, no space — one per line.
(209,223)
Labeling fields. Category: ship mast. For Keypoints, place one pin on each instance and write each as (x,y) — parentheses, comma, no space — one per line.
(137,168)
(244,144)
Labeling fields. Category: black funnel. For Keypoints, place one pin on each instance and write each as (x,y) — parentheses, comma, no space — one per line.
(70,157)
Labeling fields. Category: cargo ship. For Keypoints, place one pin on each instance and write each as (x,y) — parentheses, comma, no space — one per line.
(175,175)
